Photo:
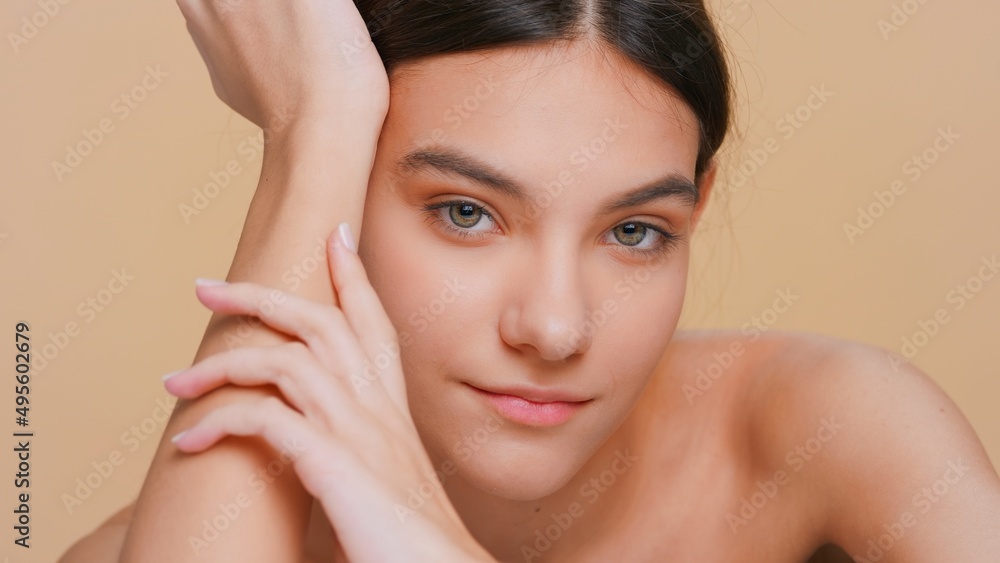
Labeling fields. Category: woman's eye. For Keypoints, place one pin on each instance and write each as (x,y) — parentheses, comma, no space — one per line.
(461,217)
(631,234)
(465,215)
(643,238)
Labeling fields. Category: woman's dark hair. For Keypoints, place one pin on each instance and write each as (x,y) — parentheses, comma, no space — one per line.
(674,40)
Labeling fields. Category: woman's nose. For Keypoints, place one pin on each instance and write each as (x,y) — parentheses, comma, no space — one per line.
(545,310)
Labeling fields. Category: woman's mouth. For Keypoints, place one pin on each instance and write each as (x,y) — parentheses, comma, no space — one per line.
(533,407)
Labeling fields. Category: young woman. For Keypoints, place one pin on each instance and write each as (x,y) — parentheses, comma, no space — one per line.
(494,374)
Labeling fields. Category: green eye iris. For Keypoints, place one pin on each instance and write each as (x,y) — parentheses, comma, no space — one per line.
(634,233)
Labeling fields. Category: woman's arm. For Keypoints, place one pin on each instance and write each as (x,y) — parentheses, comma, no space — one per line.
(305,71)
(314,176)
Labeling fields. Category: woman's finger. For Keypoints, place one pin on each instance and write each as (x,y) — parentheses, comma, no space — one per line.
(364,311)
(306,385)
(322,327)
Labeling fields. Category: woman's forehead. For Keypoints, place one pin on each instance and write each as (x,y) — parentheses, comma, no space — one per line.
(561,71)
(543,112)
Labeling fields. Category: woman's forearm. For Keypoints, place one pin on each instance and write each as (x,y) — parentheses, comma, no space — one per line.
(241,500)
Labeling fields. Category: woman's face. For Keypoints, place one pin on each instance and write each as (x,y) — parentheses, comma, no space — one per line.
(512,229)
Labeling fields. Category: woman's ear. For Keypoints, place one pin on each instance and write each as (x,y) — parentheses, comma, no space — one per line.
(704,189)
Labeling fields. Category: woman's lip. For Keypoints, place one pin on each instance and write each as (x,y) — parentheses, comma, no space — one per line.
(532,413)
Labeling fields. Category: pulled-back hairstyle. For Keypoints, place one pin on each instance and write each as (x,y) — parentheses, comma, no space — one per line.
(674,40)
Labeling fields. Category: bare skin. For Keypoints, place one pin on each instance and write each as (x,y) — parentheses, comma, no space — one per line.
(717,448)
(857,439)
(684,518)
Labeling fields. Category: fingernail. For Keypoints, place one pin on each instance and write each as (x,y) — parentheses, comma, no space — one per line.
(178,436)
(346,239)
(171,374)
(209,282)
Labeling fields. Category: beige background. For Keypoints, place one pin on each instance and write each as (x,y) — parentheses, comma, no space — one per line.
(61,241)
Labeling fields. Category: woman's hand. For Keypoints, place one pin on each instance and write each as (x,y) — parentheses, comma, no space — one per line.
(346,421)
(295,59)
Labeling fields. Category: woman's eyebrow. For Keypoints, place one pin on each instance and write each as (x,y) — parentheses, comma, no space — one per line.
(453,161)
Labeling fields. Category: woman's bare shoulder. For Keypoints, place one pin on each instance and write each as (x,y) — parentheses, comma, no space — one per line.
(791,382)
(781,365)
(866,435)
(742,362)
(763,380)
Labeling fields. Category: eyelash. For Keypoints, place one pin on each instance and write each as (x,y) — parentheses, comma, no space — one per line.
(668,240)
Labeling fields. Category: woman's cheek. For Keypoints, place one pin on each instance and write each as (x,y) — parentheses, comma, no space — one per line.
(399,275)
(644,326)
